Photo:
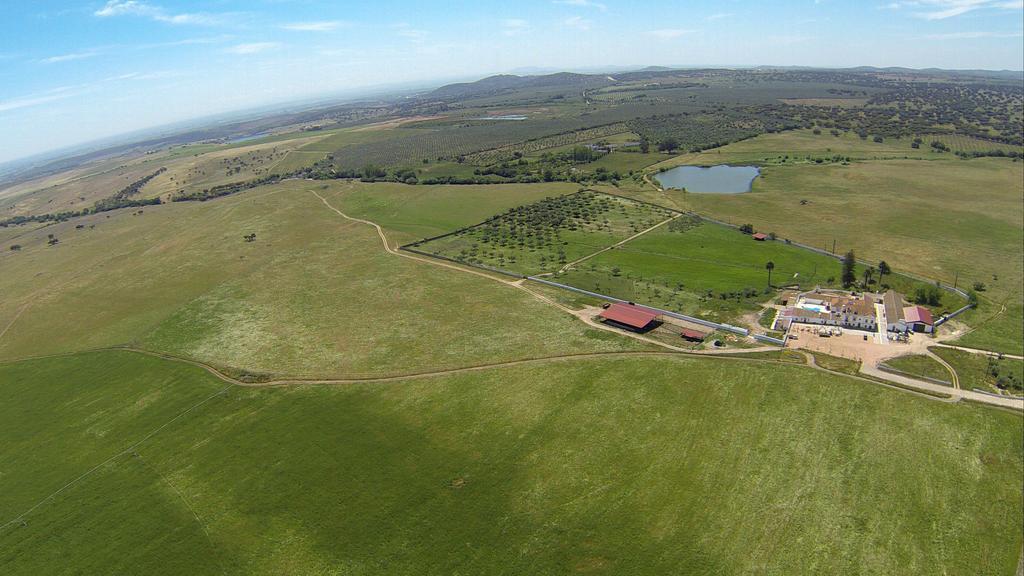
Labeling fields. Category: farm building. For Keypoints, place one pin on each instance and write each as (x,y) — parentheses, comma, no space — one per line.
(831,309)
(858,312)
(918,319)
(693,335)
(760,237)
(892,301)
(629,317)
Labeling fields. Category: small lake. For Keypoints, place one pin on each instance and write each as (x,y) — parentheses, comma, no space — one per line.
(247,138)
(722,179)
(506,117)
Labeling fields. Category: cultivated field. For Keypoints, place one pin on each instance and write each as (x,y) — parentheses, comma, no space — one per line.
(642,465)
(546,235)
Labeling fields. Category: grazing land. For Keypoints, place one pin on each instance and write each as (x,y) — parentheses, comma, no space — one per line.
(947,219)
(215,358)
(314,293)
(983,371)
(920,365)
(404,476)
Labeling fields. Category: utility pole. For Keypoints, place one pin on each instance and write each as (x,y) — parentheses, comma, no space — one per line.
(956,279)
(833,245)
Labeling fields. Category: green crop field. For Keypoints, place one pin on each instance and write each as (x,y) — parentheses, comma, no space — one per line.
(641,465)
(702,268)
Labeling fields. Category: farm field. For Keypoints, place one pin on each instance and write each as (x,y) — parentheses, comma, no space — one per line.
(702,268)
(314,293)
(544,468)
(946,219)
(543,236)
(416,212)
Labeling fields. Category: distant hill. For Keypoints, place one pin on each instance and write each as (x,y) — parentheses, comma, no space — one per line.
(506,82)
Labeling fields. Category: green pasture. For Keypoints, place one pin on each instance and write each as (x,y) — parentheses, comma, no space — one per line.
(645,466)
(314,294)
(973,369)
(920,365)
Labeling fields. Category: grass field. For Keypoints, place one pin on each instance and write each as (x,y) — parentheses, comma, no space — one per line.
(920,365)
(973,369)
(940,217)
(313,295)
(635,465)
(702,268)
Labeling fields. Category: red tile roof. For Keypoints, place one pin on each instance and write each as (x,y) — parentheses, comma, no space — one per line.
(693,334)
(633,316)
(917,314)
(760,236)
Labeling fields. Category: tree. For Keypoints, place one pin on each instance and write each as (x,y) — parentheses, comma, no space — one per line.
(645,145)
(883,269)
(769,267)
(747,228)
(869,272)
(849,265)
(668,144)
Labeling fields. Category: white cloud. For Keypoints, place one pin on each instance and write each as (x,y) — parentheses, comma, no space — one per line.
(583,4)
(36,99)
(253,47)
(319,26)
(971,35)
(942,9)
(514,26)
(69,57)
(669,33)
(578,22)
(142,9)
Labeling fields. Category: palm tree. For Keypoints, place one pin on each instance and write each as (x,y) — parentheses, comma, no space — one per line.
(883,269)
(869,272)
(769,267)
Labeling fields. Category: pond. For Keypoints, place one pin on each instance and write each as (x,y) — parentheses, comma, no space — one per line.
(722,179)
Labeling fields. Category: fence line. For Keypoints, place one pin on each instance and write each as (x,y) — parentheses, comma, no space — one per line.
(669,313)
(942,320)
(769,339)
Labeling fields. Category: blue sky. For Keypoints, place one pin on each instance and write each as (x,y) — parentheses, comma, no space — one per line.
(73,71)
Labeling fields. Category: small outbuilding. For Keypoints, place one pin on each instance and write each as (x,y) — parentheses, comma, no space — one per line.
(629,316)
(693,335)
(760,236)
(918,319)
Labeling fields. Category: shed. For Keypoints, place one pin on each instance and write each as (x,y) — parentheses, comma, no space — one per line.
(693,335)
(918,319)
(760,236)
(629,316)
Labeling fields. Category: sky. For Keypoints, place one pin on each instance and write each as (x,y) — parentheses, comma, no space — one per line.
(73,71)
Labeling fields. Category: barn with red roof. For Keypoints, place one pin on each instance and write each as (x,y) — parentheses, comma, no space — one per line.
(918,319)
(629,316)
